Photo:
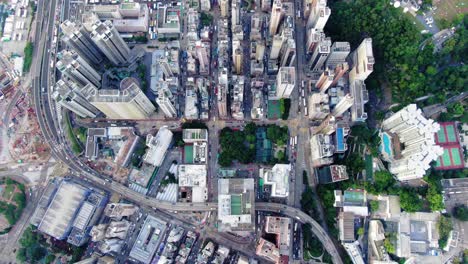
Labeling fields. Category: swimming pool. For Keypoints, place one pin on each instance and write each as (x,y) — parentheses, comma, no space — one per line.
(387,144)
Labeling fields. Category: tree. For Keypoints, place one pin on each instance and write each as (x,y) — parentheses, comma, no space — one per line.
(409,200)
(383,180)
(374,205)
(21,255)
(360,231)
(280,156)
(49,259)
(456,109)
(389,246)
(444,225)
(461,212)
(434,197)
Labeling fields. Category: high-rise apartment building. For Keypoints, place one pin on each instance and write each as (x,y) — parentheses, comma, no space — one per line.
(128,102)
(235,12)
(338,53)
(408,143)
(224,7)
(276,45)
(288,53)
(320,55)
(202,57)
(238,58)
(314,36)
(73,67)
(276,15)
(362,61)
(285,82)
(205,5)
(69,95)
(340,71)
(222,93)
(361,97)
(325,81)
(79,40)
(343,105)
(319,15)
(164,101)
(106,37)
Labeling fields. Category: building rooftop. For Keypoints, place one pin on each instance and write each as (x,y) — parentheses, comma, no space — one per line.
(66,202)
(157,146)
(281,226)
(236,204)
(192,135)
(146,244)
(194,177)
(278,177)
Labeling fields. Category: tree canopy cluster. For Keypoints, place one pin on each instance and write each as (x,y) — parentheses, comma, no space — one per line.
(403,60)
(461,212)
(236,145)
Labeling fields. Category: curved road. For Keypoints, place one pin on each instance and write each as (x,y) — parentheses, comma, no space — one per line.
(61,152)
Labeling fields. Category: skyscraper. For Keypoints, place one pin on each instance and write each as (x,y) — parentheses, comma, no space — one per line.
(362,61)
(68,95)
(164,101)
(343,105)
(276,45)
(314,36)
(288,53)
(319,15)
(276,15)
(325,81)
(361,97)
(238,58)
(285,82)
(340,70)
(338,53)
(106,37)
(224,6)
(202,57)
(414,137)
(128,102)
(78,38)
(320,54)
(75,68)
(222,93)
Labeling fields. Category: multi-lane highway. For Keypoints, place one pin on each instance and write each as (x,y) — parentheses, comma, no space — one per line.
(61,151)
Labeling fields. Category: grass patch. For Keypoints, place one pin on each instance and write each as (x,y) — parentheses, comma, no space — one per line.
(28,56)
(8,191)
(449,10)
(75,145)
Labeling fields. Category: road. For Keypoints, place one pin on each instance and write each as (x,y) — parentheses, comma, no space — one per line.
(304,218)
(61,151)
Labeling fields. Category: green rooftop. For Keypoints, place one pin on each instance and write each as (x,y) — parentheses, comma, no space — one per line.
(188,154)
(236,204)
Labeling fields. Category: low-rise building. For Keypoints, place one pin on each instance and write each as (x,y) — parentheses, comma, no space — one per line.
(278,178)
(148,240)
(236,205)
(157,146)
(192,182)
(351,200)
(281,227)
(119,210)
(332,173)
(268,250)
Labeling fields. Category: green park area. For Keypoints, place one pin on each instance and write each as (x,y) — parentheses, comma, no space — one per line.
(254,143)
(12,203)
(405,68)
(35,248)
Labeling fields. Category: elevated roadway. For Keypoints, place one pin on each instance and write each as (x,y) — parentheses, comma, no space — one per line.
(41,73)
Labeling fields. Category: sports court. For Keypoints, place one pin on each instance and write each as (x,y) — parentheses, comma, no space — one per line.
(447,138)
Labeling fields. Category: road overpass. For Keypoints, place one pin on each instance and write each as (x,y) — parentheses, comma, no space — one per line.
(61,151)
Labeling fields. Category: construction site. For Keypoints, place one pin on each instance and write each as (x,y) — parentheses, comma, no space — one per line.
(26,143)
